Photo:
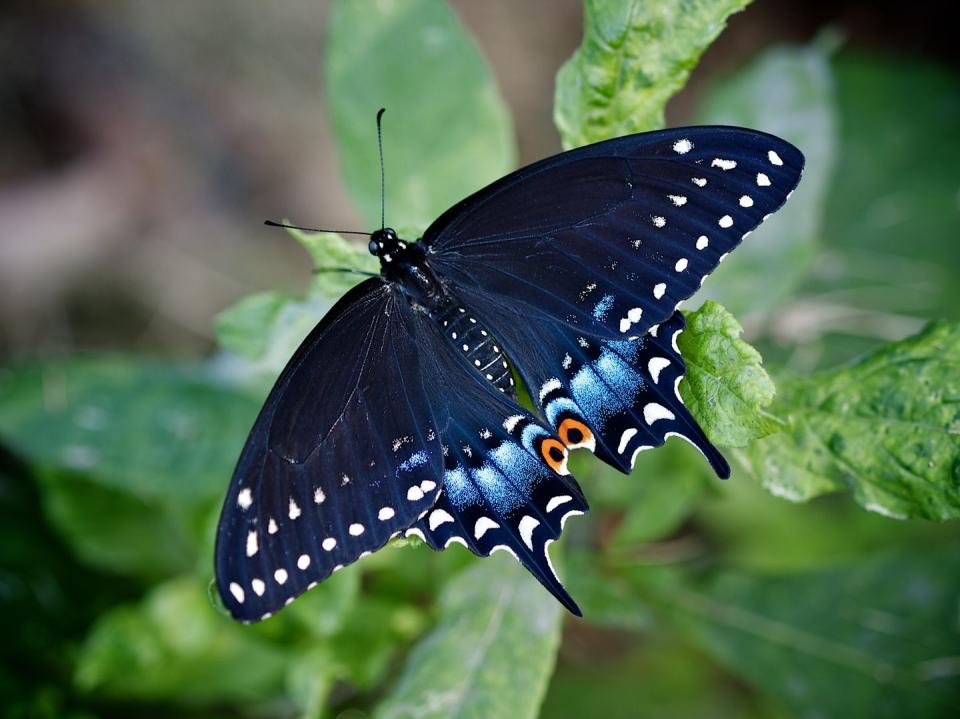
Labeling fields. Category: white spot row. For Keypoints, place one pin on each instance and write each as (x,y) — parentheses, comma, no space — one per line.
(723,164)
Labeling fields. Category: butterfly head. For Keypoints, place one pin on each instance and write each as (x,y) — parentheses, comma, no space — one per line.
(385,243)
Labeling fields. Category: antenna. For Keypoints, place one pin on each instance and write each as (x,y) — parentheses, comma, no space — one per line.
(351,270)
(382,180)
(271,223)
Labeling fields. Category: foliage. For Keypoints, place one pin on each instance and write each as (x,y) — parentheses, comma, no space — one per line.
(696,593)
(886,427)
(634,56)
(725,387)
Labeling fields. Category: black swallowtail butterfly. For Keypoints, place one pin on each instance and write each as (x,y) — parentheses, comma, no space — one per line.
(398,416)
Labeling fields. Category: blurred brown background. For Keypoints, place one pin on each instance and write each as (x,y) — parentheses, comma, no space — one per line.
(142,144)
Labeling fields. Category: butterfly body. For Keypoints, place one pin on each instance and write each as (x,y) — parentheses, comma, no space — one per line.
(398,414)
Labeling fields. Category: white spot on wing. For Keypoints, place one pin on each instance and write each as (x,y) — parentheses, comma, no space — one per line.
(303,561)
(681,264)
(549,386)
(252,545)
(774,158)
(682,147)
(723,164)
(482,525)
(699,181)
(272,526)
(414,494)
(653,411)
(318,496)
(385,513)
(356,529)
(294,509)
(635,314)
(526,527)
(746,201)
(414,532)
(762,180)
(702,242)
(725,221)
(329,544)
(655,366)
(625,439)
(658,290)
(625,324)
(510,422)
(427,485)
(244,498)
(237,591)
(280,575)
(678,200)
(258,587)
(557,501)
(438,517)
(659,221)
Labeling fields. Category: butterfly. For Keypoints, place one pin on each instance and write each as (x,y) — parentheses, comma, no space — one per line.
(399,413)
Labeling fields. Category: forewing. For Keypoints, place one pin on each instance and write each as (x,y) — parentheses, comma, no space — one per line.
(344,453)
(609,238)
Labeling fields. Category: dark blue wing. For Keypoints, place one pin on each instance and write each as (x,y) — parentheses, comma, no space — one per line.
(503,491)
(609,238)
(505,481)
(375,412)
(345,453)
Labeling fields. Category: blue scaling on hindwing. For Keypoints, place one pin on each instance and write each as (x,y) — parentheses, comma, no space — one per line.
(609,384)
(504,491)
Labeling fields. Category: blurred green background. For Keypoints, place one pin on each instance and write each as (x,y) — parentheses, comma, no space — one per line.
(145,311)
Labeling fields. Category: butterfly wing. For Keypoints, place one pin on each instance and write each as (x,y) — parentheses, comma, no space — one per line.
(506,486)
(609,238)
(344,453)
(613,397)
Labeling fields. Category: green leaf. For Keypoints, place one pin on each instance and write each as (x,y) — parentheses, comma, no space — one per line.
(264,330)
(893,227)
(446,132)
(119,532)
(331,250)
(153,430)
(787,91)
(174,646)
(634,56)
(726,388)
(491,653)
(887,428)
(242,328)
(872,639)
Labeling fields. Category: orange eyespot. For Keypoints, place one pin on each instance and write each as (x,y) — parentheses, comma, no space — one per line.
(575,433)
(555,455)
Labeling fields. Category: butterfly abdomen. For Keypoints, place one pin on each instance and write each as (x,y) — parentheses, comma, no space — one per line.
(477,345)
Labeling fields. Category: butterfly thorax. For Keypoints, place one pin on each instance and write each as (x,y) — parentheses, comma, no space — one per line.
(406,265)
